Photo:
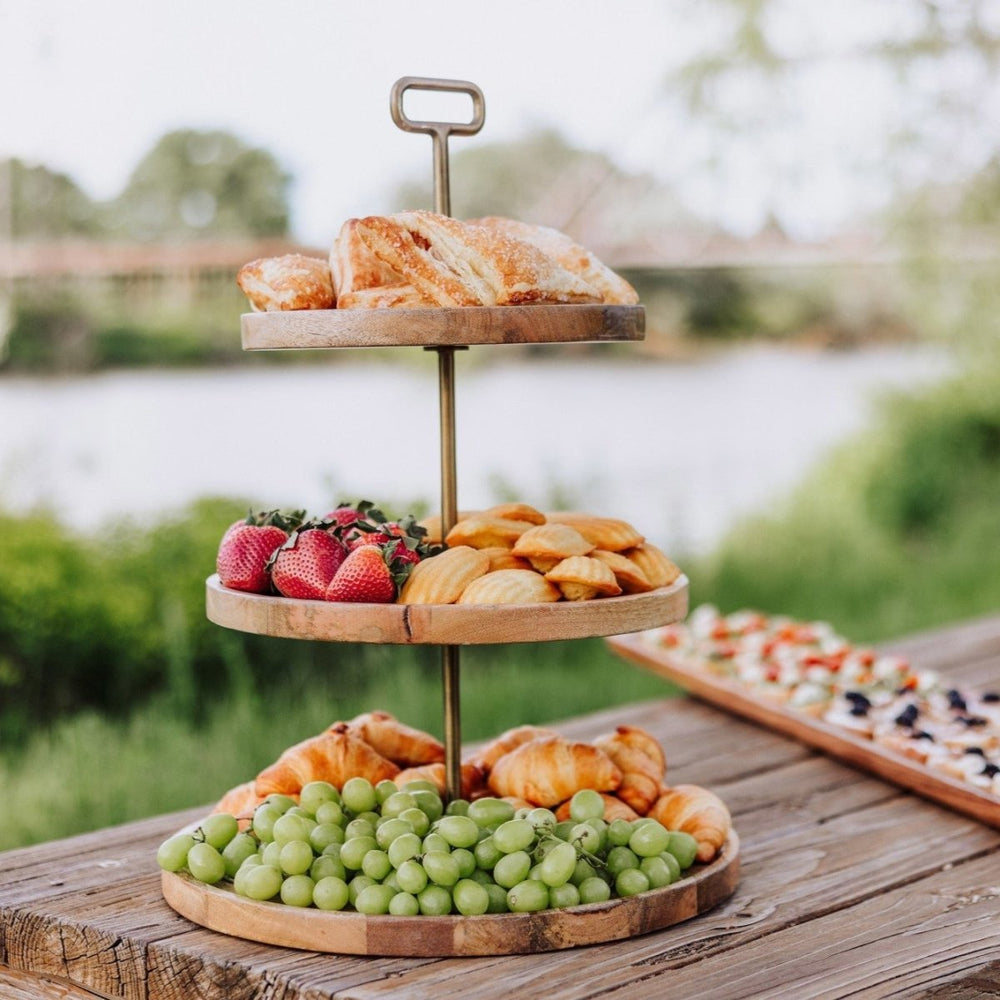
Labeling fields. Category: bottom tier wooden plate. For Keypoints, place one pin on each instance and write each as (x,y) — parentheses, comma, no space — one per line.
(346,932)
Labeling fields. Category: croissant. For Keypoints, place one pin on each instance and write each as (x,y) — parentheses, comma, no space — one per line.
(614,808)
(240,802)
(697,811)
(473,780)
(505,742)
(549,769)
(333,756)
(639,739)
(642,775)
(401,744)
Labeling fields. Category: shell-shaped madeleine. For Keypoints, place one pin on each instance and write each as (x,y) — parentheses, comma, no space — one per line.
(432,525)
(660,570)
(581,578)
(482,532)
(502,558)
(516,512)
(510,586)
(609,533)
(629,575)
(441,579)
(547,544)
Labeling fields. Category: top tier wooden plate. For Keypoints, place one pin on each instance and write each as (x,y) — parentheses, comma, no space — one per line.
(469,326)
(443,624)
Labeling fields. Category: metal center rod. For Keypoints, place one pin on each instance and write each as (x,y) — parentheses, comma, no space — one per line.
(450,671)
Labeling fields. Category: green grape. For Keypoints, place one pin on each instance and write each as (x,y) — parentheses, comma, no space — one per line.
(673,864)
(481,875)
(583,870)
(584,836)
(205,863)
(442,869)
(218,829)
(435,842)
(291,826)
(388,831)
(490,811)
(370,817)
(620,858)
(173,852)
(563,828)
(466,861)
(262,882)
(543,820)
(411,877)
(404,904)
(315,793)
(514,835)
(353,851)
(649,840)
(295,857)
(397,803)
(384,789)
(376,865)
(238,880)
(600,826)
(325,866)
(487,854)
(419,821)
(330,812)
(564,895)
(594,890)
(470,898)
(586,804)
(241,847)
(557,867)
(355,886)
(657,871)
(391,880)
(528,896)
(683,847)
(374,899)
(333,850)
(428,802)
(271,855)
(322,835)
(358,795)
(459,831)
(630,882)
(330,893)
(435,901)
(457,807)
(619,832)
(280,801)
(512,868)
(264,818)
(498,898)
(297,890)
(403,848)
(359,828)
(421,785)
(298,810)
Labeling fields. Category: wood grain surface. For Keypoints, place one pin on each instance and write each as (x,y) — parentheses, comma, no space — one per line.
(469,326)
(443,624)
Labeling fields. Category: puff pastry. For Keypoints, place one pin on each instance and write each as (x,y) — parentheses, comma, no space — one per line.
(293,281)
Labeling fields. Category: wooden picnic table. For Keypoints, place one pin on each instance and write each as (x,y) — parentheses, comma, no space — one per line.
(849,887)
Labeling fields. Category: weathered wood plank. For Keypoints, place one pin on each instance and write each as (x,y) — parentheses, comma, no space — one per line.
(16,985)
(949,649)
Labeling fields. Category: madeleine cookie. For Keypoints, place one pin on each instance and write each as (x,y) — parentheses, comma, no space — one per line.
(441,579)
(547,544)
(516,512)
(659,569)
(581,578)
(503,558)
(293,281)
(486,532)
(608,533)
(629,575)
(510,586)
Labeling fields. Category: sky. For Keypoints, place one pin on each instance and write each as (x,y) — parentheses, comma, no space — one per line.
(98,83)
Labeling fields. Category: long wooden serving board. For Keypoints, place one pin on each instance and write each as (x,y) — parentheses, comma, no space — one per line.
(846,746)
(347,932)
(444,624)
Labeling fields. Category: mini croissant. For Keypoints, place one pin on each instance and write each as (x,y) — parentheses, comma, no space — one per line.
(509,740)
(697,811)
(333,756)
(472,777)
(642,774)
(548,770)
(394,740)
(240,802)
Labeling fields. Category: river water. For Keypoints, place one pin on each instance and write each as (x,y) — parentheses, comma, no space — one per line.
(681,450)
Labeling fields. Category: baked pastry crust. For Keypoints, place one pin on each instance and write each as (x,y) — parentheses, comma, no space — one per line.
(292,281)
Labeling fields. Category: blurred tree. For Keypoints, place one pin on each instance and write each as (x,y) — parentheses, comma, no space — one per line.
(197,183)
(36,202)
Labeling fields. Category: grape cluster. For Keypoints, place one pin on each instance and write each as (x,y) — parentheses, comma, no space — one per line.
(381,849)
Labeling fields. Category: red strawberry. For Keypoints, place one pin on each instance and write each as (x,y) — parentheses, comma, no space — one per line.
(247,546)
(304,566)
(364,577)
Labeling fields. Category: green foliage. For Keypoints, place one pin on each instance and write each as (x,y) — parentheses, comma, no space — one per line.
(43,203)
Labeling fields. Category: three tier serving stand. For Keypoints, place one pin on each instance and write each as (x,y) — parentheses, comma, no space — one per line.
(446,331)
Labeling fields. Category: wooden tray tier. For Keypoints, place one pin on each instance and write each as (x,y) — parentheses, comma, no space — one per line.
(468,326)
(443,624)
(833,740)
(349,933)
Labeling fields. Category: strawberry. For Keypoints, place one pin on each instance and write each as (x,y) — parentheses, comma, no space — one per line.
(369,574)
(247,546)
(304,566)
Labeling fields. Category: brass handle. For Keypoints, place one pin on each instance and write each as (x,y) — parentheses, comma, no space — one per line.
(438,131)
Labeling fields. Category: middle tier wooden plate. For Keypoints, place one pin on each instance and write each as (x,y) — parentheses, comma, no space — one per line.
(443,624)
